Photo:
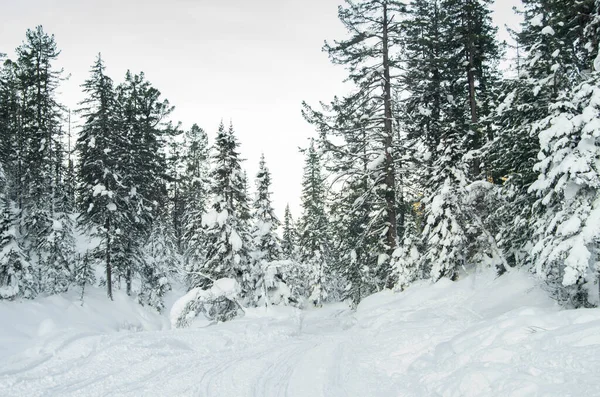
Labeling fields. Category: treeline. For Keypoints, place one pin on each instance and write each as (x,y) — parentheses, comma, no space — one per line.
(435,165)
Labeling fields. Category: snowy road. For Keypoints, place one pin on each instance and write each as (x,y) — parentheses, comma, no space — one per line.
(472,338)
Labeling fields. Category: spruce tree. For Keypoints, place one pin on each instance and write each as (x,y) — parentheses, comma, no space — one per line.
(195,186)
(289,239)
(228,241)
(313,245)
(266,242)
(48,231)
(103,205)
(16,272)
(451,57)
(142,119)
(565,213)
(366,117)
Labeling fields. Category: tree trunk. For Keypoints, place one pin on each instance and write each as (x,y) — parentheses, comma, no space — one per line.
(390,180)
(471,81)
(128,281)
(108,264)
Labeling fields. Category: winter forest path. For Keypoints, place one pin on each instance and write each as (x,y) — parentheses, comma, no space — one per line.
(471,338)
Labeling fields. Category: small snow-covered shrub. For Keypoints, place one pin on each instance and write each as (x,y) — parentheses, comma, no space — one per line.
(218,303)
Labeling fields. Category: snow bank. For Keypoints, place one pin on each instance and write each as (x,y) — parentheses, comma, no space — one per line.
(44,324)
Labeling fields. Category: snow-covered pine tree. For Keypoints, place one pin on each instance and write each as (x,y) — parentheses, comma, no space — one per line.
(314,245)
(142,117)
(566,252)
(40,120)
(266,242)
(84,274)
(195,186)
(452,54)
(548,69)
(161,261)
(289,239)
(228,240)
(567,211)
(367,114)
(103,206)
(175,185)
(11,153)
(359,259)
(266,239)
(16,272)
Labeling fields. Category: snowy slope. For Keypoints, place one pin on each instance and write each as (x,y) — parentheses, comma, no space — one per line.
(477,337)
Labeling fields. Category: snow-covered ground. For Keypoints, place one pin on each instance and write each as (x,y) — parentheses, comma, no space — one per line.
(477,337)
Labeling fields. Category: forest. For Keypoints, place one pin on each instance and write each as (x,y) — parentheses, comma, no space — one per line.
(435,164)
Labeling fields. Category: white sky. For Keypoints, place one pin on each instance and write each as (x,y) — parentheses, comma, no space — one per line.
(249,61)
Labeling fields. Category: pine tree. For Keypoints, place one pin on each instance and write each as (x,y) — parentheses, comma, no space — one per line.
(10,108)
(161,260)
(228,239)
(365,119)
(47,231)
(266,240)
(84,274)
(16,271)
(175,186)
(290,237)
(550,67)
(103,206)
(313,246)
(195,190)
(267,246)
(142,119)
(451,57)
(568,211)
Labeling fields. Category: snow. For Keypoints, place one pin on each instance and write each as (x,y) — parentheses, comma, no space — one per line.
(376,163)
(537,20)
(226,287)
(548,31)
(236,241)
(99,189)
(480,336)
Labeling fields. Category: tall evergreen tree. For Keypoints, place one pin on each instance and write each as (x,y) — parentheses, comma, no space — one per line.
(565,214)
(366,116)
(227,236)
(451,58)
(47,232)
(195,185)
(16,272)
(314,248)
(267,245)
(266,240)
(142,118)
(289,239)
(103,206)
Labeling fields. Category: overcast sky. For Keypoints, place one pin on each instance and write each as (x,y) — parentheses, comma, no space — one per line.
(249,61)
